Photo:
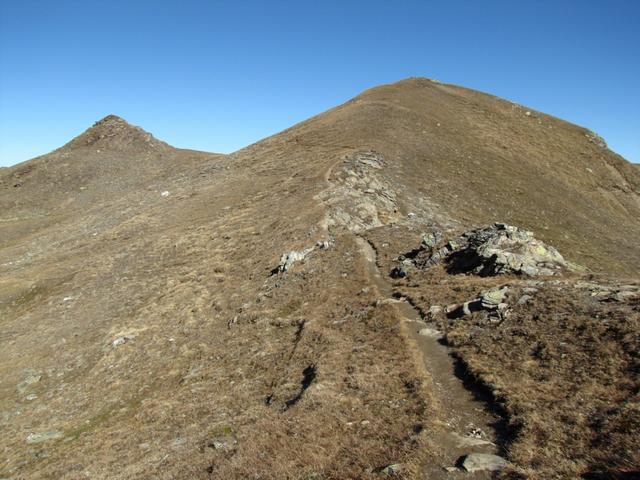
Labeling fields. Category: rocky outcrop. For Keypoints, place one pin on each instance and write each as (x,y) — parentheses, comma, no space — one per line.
(493,250)
(359,197)
(289,258)
(113,132)
(614,292)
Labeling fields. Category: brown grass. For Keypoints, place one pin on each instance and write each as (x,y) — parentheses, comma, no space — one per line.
(564,368)
(213,335)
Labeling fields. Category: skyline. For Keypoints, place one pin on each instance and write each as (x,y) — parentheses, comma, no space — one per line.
(218,76)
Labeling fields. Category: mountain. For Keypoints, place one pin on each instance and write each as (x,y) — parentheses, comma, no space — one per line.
(110,159)
(168,313)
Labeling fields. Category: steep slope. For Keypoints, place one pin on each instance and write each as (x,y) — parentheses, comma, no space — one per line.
(480,159)
(164,335)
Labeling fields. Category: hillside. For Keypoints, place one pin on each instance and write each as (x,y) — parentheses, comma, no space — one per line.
(110,159)
(167,313)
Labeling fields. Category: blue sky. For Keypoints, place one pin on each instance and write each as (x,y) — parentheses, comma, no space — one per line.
(218,75)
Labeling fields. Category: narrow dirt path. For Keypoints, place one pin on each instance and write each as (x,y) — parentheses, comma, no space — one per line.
(467,424)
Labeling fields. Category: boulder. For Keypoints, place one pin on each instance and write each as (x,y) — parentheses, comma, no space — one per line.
(431,239)
(524,299)
(502,248)
(476,462)
(288,259)
(493,250)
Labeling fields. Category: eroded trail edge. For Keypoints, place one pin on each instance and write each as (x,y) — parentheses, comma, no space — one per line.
(468,422)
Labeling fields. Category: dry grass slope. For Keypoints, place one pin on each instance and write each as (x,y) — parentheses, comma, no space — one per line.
(144,334)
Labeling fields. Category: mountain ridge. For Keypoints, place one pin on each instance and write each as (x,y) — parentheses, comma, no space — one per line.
(455,132)
(167,313)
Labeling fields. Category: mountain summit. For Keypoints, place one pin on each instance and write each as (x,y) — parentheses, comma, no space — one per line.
(113,132)
(111,158)
(293,310)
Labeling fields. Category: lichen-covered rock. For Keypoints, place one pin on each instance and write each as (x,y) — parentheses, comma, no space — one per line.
(476,462)
(493,250)
(490,301)
(503,248)
(431,239)
(391,470)
(288,259)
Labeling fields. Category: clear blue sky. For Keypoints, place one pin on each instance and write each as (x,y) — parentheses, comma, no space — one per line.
(218,75)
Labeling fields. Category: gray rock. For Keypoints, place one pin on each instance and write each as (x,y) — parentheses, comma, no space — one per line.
(476,462)
(431,239)
(490,301)
(288,259)
(225,443)
(43,437)
(393,469)
(30,379)
(430,332)
(524,299)
(596,139)
(358,196)
(623,296)
(323,244)
(493,250)
(119,341)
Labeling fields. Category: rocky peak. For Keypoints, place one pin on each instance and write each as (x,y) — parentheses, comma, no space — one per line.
(113,132)
(111,121)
